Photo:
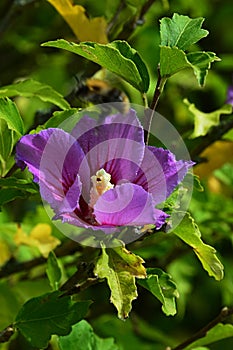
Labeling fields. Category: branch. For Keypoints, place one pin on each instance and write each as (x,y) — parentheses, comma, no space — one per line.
(224,313)
(201,143)
(138,19)
(14,9)
(14,267)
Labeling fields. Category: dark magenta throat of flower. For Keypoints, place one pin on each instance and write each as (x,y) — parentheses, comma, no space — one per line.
(102,175)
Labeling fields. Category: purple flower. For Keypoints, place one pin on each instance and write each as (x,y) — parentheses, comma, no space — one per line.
(230,95)
(102,175)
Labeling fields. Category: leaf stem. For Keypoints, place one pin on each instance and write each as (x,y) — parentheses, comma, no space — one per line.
(161,81)
(224,313)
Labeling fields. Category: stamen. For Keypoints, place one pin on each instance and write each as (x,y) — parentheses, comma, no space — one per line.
(101,183)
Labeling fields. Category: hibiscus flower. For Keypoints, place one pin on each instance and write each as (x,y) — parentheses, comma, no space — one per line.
(102,175)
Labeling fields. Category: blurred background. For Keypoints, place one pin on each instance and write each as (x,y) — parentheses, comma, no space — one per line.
(24,25)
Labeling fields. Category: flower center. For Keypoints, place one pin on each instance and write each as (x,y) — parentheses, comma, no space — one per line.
(100,184)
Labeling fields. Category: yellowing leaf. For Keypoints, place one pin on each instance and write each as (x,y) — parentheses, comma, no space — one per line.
(40,237)
(5,253)
(217,154)
(120,281)
(85,29)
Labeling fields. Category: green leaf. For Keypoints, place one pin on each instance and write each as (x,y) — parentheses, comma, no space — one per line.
(201,62)
(117,56)
(189,232)
(83,337)
(219,332)
(20,184)
(181,31)
(48,314)
(33,88)
(10,113)
(59,117)
(11,128)
(172,60)
(7,140)
(53,271)
(177,34)
(120,267)
(204,121)
(12,188)
(8,195)
(163,288)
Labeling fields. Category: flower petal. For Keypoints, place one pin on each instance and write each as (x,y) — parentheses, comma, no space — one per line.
(116,137)
(58,163)
(29,151)
(160,173)
(126,204)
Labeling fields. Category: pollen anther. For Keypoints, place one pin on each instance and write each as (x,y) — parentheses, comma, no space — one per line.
(100,184)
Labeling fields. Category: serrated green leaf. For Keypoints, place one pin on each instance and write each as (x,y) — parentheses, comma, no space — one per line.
(201,62)
(219,332)
(48,314)
(117,56)
(172,60)
(120,278)
(181,31)
(163,288)
(204,121)
(10,113)
(83,337)
(53,271)
(189,232)
(33,88)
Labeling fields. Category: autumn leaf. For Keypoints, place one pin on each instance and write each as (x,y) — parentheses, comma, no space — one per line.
(5,253)
(40,237)
(85,29)
(217,154)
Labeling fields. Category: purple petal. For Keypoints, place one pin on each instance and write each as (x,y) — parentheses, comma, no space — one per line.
(57,161)
(230,95)
(126,204)
(29,151)
(160,173)
(76,220)
(116,137)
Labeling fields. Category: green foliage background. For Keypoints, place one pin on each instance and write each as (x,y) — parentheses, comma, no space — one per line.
(24,26)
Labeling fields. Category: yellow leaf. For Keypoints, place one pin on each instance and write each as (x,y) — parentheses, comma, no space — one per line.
(217,154)
(85,29)
(40,237)
(5,253)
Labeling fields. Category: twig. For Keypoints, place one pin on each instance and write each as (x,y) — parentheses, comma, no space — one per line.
(145,8)
(224,313)
(150,112)
(138,19)
(14,267)
(13,10)
(216,133)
